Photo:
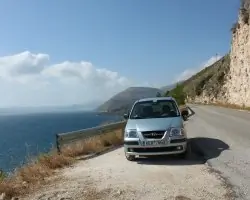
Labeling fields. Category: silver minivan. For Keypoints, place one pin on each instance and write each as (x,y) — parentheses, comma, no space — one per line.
(155,126)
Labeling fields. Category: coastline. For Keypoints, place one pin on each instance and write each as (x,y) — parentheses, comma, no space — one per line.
(41,169)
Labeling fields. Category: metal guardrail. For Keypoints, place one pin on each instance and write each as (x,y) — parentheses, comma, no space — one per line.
(74,136)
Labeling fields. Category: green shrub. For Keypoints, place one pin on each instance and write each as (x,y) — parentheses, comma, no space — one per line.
(2,175)
(178,94)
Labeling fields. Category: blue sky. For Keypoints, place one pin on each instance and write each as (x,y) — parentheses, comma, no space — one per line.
(143,41)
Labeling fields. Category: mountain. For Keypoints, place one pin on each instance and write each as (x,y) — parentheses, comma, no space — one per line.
(122,102)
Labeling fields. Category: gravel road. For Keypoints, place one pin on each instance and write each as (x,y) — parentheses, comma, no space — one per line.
(224,136)
(111,176)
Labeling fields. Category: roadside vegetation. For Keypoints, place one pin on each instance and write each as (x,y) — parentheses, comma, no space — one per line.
(178,94)
(2,175)
(211,79)
(38,171)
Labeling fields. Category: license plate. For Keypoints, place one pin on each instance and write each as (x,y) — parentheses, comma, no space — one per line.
(154,143)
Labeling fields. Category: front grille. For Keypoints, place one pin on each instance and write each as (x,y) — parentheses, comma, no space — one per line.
(153,134)
(156,149)
(178,140)
(131,143)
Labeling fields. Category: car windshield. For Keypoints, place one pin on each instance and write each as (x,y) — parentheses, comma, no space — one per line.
(151,109)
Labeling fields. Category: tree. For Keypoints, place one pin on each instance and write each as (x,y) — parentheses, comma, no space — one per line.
(178,93)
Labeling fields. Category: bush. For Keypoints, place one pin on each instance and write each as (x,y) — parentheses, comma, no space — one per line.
(234,27)
(178,94)
(2,175)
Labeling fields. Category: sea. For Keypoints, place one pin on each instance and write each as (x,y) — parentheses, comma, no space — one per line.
(24,136)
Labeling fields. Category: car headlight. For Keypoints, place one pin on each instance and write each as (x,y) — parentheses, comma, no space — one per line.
(176,132)
(131,134)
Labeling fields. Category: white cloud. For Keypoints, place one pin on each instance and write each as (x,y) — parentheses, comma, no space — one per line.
(190,72)
(23,66)
(30,79)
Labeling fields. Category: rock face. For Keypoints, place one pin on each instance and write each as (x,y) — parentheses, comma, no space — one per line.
(238,79)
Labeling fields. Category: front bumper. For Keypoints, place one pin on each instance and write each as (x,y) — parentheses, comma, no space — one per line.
(174,147)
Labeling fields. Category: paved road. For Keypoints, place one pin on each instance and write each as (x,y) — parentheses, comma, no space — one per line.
(224,135)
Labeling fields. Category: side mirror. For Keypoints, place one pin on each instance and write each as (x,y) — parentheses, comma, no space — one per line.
(184,115)
(125,116)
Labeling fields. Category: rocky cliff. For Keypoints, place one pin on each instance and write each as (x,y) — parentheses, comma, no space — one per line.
(227,80)
(238,81)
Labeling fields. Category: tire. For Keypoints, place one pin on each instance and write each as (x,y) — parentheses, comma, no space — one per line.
(130,157)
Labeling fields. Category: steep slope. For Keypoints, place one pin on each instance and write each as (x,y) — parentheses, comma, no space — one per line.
(122,101)
(208,84)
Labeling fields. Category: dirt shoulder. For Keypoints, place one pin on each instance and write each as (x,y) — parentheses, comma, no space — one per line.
(111,176)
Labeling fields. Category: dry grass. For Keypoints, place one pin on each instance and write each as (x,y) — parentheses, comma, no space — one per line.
(94,194)
(180,197)
(30,176)
(95,144)
(55,161)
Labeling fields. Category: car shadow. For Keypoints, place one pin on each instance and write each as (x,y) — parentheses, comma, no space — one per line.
(201,150)
(208,148)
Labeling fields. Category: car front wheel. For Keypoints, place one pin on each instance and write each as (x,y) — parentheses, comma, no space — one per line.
(130,157)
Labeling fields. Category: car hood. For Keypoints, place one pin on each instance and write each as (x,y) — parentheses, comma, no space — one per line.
(154,124)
